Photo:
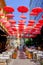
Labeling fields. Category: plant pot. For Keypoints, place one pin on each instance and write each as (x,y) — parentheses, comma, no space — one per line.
(29,56)
(14,56)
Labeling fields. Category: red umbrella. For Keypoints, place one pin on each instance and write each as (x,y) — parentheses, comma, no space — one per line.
(3,20)
(22,21)
(9,9)
(38,25)
(42,16)
(1,14)
(34,14)
(9,15)
(31,22)
(22,9)
(36,32)
(14,28)
(23,16)
(7,25)
(33,30)
(41,22)
(31,36)
(10,31)
(12,22)
(37,10)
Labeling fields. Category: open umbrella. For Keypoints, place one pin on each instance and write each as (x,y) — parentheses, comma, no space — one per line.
(31,22)
(9,15)
(41,22)
(33,14)
(8,9)
(7,25)
(14,28)
(22,21)
(36,32)
(22,9)
(1,14)
(23,16)
(3,21)
(12,22)
(37,10)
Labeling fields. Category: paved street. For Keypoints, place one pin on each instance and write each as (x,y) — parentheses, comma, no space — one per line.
(21,62)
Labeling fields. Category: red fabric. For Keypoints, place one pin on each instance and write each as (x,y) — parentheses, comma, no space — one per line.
(37,10)
(9,15)
(34,14)
(8,9)
(22,9)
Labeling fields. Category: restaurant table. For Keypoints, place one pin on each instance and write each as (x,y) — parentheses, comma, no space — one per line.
(4,58)
(39,56)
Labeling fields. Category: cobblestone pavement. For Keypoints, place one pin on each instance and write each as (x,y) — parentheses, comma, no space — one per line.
(21,62)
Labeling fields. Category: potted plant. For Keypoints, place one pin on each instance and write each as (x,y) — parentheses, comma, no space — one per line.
(14,56)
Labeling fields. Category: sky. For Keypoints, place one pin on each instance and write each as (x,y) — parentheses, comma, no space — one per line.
(15,4)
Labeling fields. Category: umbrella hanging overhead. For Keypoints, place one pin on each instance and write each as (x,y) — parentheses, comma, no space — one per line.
(37,10)
(41,22)
(31,22)
(23,16)
(14,28)
(12,22)
(1,14)
(33,14)
(8,9)
(31,36)
(7,25)
(3,20)
(22,21)
(9,15)
(36,32)
(23,9)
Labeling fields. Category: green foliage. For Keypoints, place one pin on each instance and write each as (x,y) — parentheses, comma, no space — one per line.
(28,42)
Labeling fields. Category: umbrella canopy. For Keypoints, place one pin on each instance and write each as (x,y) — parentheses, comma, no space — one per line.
(31,21)
(36,32)
(30,24)
(8,9)
(12,22)
(22,21)
(14,28)
(37,10)
(23,16)
(33,14)
(1,14)
(3,20)
(9,15)
(7,25)
(41,22)
(22,9)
